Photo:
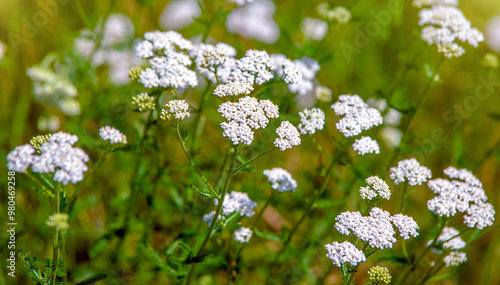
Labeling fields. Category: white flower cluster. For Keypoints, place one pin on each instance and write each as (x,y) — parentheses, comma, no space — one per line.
(240,2)
(450,240)
(421,3)
(345,252)
(143,102)
(254,20)
(280,179)
(463,195)
(286,68)
(238,202)
(341,14)
(112,134)
(376,228)
(313,28)
(243,234)
(247,114)
(233,89)
(443,24)
(255,68)
(323,94)
(215,62)
(311,120)
(178,108)
(288,136)
(57,156)
(366,145)
(410,170)
(169,61)
(376,187)
(358,116)
(308,67)
(54,88)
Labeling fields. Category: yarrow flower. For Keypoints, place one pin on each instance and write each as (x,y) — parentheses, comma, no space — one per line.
(450,239)
(168,60)
(281,179)
(286,68)
(243,234)
(233,89)
(455,258)
(57,156)
(346,252)
(463,195)
(358,116)
(112,134)
(341,14)
(379,275)
(406,225)
(37,142)
(288,136)
(311,120)
(377,228)
(255,68)
(366,145)
(247,114)
(411,171)
(308,67)
(59,221)
(237,202)
(143,102)
(443,24)
(323,94)
(215,62)
(176,110)
(376,187)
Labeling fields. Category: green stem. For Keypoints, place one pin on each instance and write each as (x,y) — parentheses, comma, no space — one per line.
(183,144)
(230,173)
(254,158)
(414,265)
(401,207)
(199,114)
(431,273)
(55,249)
(412,114)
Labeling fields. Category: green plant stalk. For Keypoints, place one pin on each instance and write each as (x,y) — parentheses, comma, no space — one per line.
(198,115)
(431,272)
(406,127)
(414,265)
(254,158)
(55,249)
(230,173)
(310,206)
(183,145)
(254,224)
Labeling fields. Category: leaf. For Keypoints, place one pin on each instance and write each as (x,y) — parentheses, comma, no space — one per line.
(202,191)
(328,203)
(246,169)
(231,222)
(267,235)
(93,279)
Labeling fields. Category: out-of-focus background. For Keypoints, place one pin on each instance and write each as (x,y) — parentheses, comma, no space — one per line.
(459,123)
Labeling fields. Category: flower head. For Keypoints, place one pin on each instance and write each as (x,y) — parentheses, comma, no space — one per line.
(177,110)
(376,187)
(286,68)
(323,94)
(311,120)
(379,275)
(20,158)
(455,258)
(59,221)
(406,225)
(366,145)
(233,89)
(280,179)
(288,136)
(345,252)
(411,171)
(358,116)
(243,234)
(143,102)
(237,202)
(112,134)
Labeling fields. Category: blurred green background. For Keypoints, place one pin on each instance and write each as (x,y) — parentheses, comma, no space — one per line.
(468,139)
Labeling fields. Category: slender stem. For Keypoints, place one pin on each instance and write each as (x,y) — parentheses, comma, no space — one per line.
(55,250)
(183,144)
(254,158)
(414,265)
(199,114)
(254,224)
(230,173)
(351,278)
(431,272)
(310,206)
(401,207)
(412,114)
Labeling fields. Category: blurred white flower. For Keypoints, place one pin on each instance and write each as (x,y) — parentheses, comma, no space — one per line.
(391,136)
(314,29)
(493,33)
(243,234)
(117,29)
(3,49)
(179,14)
(255,21)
